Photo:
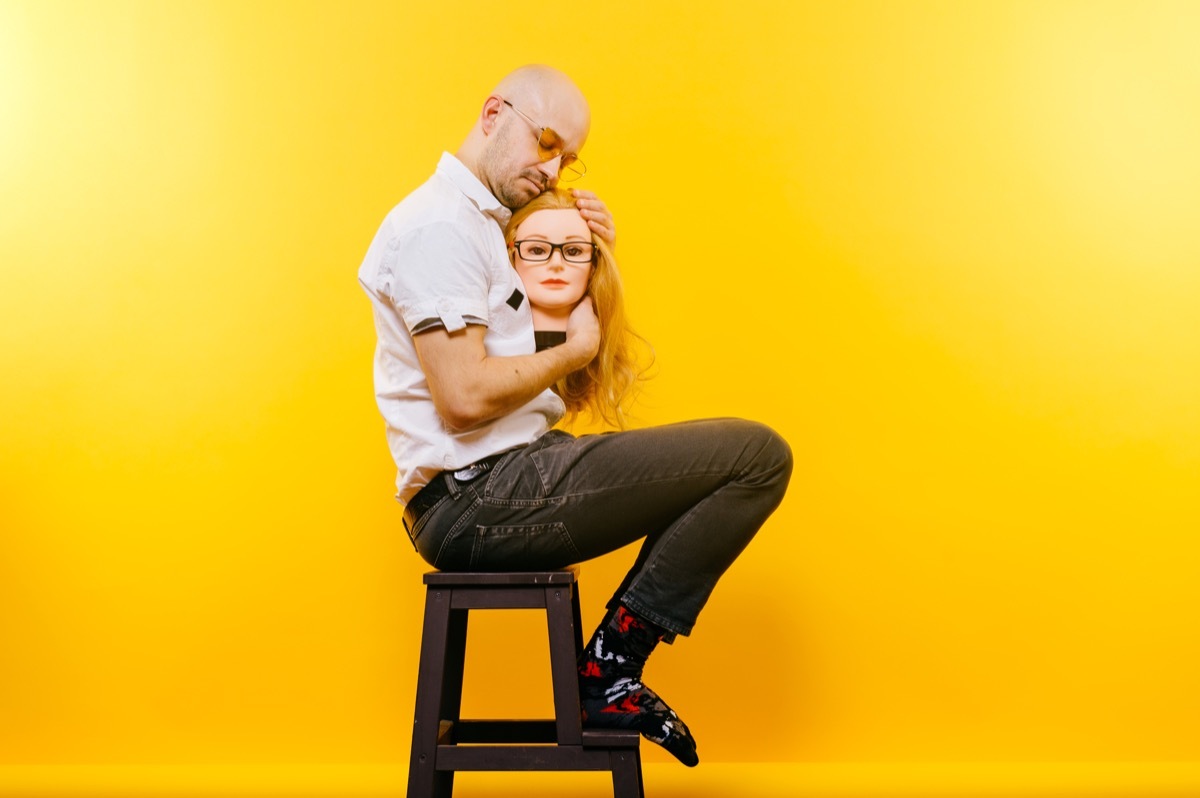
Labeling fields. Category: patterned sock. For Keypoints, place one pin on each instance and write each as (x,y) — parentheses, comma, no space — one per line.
(611,690)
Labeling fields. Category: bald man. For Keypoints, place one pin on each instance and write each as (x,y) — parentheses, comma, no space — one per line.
(486,481)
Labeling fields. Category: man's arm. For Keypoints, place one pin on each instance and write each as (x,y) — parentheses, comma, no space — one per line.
(470,387)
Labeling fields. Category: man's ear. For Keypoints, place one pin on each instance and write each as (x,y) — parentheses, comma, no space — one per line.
(491,110)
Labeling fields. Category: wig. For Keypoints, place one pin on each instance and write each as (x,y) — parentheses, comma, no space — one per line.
(605,386)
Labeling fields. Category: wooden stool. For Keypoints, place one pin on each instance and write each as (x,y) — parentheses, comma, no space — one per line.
(443,743)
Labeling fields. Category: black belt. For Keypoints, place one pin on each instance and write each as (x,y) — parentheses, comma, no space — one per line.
(439,487)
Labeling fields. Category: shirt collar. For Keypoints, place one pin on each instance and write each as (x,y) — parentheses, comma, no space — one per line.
(465,181)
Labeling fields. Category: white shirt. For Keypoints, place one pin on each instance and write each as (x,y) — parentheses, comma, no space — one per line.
(439,259)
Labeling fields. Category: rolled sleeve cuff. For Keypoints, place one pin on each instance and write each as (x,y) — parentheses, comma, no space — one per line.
(448,314)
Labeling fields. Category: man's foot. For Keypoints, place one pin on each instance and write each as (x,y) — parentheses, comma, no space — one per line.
(629,704)
(611,692)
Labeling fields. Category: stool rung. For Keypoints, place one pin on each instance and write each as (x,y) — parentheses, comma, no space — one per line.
(472,732)
(498,598)
(611,738)
(498,731)
(522,757)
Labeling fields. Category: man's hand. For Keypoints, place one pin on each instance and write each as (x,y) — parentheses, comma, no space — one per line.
(596,214)
(583,329)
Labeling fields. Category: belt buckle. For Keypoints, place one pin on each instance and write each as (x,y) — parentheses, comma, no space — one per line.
(469,473)
(476,469)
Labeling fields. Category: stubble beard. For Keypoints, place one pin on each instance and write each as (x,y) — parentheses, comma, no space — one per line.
(512,190)
(517,192)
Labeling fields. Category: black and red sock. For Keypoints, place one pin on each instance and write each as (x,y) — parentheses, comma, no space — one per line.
(611,690)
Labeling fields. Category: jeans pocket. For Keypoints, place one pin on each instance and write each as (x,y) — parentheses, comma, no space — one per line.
(523,547)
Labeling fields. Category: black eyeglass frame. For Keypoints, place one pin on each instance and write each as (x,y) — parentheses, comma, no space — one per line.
(591,258)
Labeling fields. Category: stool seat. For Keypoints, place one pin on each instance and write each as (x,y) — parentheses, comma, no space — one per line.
(443,742)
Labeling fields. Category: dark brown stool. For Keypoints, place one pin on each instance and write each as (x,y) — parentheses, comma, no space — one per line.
(443,743)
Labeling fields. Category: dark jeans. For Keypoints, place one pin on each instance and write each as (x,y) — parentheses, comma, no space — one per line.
(696,491)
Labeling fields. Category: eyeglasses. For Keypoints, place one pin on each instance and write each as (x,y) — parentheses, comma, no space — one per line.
(541,251)
(551,145)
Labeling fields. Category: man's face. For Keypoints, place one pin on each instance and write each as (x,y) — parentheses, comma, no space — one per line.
(512,167)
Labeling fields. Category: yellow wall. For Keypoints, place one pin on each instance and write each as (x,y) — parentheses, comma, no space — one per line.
(949,250)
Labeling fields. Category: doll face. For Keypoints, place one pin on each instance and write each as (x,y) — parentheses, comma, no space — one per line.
(556,284)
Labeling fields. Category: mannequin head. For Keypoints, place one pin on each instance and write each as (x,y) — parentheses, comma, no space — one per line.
(556,285)
(606,383)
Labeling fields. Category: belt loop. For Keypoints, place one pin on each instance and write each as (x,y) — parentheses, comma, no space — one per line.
(451,483)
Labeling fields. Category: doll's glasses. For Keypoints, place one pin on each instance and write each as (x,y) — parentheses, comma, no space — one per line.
(551,145)
(533,251)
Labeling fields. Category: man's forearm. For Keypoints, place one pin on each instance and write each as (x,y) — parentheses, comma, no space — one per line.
(469,387)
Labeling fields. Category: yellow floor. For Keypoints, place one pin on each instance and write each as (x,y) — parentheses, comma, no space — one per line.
(841,780)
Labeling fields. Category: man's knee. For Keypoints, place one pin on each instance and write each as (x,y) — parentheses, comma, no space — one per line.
(764,452)
(774,457)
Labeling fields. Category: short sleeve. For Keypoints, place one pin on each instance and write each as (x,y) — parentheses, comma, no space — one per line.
(434,274)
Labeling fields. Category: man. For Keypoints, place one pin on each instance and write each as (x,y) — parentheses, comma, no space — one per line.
(486,482)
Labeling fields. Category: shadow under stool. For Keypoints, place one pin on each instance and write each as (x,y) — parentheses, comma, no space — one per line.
(444,743)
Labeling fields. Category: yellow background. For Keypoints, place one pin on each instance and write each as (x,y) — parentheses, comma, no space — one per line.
(949,250)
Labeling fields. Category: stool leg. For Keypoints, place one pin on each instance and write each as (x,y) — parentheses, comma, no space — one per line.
(437,637)
(455,664)
(626,773)
(578,621)
(564,673)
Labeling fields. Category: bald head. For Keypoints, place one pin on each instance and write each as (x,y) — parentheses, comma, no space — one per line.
(536,83)
(502,147)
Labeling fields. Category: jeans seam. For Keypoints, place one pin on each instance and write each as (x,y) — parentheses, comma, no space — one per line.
(456,529)
(423,521)
(552,501)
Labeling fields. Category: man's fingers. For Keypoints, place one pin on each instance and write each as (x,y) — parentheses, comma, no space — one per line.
(602,230)
(596,214)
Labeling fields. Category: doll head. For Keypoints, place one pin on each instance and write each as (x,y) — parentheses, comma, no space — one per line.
(560,260)
(553,254)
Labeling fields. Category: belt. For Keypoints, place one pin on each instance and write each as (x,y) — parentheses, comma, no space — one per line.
(439,487)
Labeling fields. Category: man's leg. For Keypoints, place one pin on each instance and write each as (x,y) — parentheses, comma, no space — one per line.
(697,492)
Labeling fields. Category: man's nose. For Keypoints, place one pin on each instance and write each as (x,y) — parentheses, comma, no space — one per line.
(550,169)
